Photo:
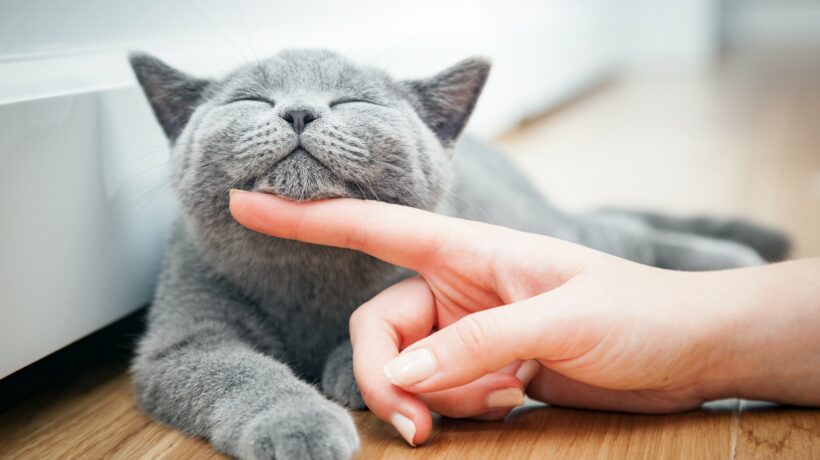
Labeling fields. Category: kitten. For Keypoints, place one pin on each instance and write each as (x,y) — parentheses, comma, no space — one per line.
(247,342)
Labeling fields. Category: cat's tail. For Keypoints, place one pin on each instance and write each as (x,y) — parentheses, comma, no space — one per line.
(773,245)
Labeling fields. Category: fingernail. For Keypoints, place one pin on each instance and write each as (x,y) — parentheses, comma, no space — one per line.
(508,397)
(527,371)
(405,427)
(234,191)
(410,368)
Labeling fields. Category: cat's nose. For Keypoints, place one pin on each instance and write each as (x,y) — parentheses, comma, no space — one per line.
(298,119)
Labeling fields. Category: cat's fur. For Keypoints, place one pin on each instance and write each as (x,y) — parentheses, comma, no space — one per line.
(247,340)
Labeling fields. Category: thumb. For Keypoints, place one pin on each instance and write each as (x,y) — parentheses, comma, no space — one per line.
(475,345)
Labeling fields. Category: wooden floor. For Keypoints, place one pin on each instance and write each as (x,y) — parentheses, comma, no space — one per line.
(743,141)
(99,420)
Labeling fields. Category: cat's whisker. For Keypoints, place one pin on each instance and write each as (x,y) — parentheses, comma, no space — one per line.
(340,136)
(372,189)
(255,173)
(250,148)
(218,29)
(121,205)
(153,193)
(360,151)
(472,205)
(354,144)
(351,156)
(387,165)
(259,172)
(326,143)
(386,53)
(364,195)
(262,130)
(227,189)
(245,29)
(149,151)
(147,170)
(209,163)
(224,193)
(151,168)
(129,210)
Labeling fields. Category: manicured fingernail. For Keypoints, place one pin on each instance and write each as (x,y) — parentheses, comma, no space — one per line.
(507,397)
(405,427)
(527,371)
(410,368)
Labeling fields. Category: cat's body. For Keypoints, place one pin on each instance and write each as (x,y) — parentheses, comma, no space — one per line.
(242,322)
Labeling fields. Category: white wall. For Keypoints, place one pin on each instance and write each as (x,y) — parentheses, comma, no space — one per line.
(679,36)
(542,49)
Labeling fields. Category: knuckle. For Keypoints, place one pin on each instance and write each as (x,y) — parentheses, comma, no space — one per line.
(356,239)
(447,409)
(364,317)
(474,334)
(369,393)
(356,318)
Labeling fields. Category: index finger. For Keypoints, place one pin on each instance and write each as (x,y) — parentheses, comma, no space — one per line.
(379,329)
(400,235)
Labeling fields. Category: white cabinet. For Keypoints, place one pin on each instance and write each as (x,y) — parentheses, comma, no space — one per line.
(83,213)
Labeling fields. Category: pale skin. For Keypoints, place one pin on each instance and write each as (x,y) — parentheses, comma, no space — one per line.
(495,313)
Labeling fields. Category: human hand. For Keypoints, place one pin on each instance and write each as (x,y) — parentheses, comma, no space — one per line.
(606,333)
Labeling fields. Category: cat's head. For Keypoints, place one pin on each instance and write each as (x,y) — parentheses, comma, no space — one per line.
(308,124)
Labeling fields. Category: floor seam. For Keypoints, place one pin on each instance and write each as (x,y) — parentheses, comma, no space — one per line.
(735,429)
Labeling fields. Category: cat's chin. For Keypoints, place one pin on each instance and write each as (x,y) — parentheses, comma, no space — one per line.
(305,195)
(300,177)
(284,190)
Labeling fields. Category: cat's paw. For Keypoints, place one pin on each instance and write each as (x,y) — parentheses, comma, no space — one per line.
(338,382)
(315,430)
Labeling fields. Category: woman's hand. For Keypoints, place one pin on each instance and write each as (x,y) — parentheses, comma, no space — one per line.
(461,337)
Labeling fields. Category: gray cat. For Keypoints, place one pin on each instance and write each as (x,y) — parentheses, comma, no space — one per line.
(247,342)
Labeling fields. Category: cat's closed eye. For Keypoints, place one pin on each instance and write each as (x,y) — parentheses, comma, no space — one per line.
(351,100)
(252,99)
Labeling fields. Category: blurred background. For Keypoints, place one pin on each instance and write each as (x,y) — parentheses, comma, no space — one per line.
(685,106)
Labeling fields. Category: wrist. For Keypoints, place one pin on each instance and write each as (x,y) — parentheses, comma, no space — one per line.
(760,333)
(725,312)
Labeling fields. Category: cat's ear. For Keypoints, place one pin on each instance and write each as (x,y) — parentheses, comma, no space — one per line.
(173,94)
(447,99)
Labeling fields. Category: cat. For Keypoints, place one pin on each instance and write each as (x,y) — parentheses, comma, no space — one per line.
(247,343)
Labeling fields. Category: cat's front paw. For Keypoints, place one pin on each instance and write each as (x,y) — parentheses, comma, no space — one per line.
(338,381)
(315,429)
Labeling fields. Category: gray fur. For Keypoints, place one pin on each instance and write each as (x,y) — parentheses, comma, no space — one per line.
(771,244)
(244,328)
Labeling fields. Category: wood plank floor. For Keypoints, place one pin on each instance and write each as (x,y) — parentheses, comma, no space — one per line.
(742,141)
(98,419)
